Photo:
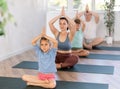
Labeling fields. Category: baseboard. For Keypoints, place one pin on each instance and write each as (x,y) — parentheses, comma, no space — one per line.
(6,56)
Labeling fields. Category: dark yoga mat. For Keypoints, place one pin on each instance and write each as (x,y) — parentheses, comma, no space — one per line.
(107,48)
(77,68)
(17,83)
(103,57)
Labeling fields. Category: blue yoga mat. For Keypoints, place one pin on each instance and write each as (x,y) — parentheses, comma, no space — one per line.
(17,83)
(107,48)
(77,68)
(103,57)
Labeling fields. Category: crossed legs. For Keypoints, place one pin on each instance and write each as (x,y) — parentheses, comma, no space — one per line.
(80,52)
(33,80)
(92,43)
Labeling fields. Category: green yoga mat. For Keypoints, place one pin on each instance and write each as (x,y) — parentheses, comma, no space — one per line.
(107,48)
(17,83)
(103,57)
(77,68)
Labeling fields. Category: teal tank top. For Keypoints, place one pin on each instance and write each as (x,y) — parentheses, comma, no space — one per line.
(78,39)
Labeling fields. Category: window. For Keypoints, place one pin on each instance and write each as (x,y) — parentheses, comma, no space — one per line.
(81,4)
(117,5)
(99,4)
(56,4)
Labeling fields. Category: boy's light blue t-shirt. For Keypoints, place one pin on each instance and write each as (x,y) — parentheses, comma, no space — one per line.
(78,39)
(46,61)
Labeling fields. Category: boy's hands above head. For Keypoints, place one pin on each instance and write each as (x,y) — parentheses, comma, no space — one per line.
(77,15)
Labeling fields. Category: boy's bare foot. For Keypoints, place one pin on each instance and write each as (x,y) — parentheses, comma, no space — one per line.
(89,47)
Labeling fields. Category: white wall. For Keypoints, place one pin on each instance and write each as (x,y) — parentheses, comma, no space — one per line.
(30,18)
(117,26)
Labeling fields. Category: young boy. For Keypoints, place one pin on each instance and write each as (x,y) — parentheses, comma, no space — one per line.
(77,43)
(46,53)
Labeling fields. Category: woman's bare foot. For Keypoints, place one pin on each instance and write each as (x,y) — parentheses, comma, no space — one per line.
(58,66)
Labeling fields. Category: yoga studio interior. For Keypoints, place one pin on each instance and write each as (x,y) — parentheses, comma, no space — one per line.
(23,20)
